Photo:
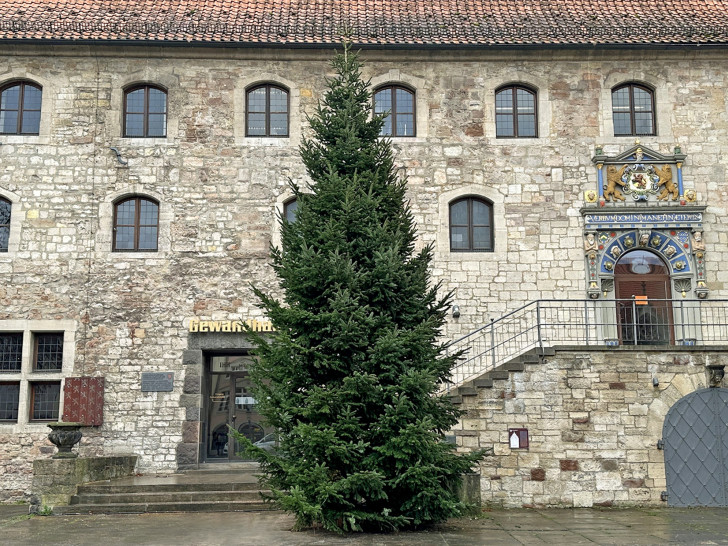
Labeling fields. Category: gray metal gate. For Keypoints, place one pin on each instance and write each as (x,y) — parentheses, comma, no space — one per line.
(695,436)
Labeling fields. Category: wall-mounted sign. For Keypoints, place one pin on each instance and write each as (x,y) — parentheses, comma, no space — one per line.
(205,326)
(518,438)
(157,381)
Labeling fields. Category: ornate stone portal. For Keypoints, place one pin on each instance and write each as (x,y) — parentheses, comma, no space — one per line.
(641,203)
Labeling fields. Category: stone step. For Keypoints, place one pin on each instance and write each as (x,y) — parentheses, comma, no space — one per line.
(108,488)
(139,508)
(467,391)
(168,497)
(515,366)
(483,383)
(499,374)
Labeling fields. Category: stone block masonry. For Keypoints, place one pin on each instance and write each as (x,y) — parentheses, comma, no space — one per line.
(592,435)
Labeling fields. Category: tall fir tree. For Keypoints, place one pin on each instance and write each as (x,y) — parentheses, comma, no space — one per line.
(350,376)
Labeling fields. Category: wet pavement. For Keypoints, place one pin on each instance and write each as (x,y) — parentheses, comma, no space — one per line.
(552,526)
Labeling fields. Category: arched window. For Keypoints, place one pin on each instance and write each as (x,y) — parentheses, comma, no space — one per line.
(145,111)
(20,108)
(266,111)
(471,225)
(633,110)
(400,103)
(515,112)
(136,224)
(289,210)
(4,224)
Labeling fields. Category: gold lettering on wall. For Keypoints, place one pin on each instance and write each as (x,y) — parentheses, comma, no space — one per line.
(205,326)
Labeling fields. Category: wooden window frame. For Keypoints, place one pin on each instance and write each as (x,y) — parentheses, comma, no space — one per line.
(21,109)
(514,97)
(632,112)
(31,398)
(146,112)
(470,225)
(267,112)
(393,112)
(137,224)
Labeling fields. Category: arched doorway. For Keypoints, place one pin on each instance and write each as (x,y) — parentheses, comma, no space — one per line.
(643,293)
(696,449)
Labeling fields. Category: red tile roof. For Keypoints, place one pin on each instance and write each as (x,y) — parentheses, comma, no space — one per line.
(371,22)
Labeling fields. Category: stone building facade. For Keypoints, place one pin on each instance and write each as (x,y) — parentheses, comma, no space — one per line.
(124,315)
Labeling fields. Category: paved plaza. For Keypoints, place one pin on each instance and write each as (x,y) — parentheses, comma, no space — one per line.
(553,526)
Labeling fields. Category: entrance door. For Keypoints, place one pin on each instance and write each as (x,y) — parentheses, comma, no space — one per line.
(696,449)
(231,405)
(644,306)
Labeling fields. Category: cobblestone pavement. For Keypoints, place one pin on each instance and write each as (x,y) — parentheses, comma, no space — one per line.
(563,527)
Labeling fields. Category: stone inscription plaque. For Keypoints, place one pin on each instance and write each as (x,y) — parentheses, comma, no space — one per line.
(157,381)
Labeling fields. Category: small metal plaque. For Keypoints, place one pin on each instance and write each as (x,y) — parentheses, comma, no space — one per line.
(157,381)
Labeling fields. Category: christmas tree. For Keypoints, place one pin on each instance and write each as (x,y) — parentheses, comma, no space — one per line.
(350,376)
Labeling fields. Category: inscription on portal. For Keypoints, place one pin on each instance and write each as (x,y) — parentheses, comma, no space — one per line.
(157,381)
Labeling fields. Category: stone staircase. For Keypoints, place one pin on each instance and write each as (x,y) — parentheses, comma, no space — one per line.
(192,491)
(485,381)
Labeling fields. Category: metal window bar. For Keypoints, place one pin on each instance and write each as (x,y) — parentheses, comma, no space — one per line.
(630,322)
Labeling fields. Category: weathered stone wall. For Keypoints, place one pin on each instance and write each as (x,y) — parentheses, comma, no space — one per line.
(218,192)
(593,419)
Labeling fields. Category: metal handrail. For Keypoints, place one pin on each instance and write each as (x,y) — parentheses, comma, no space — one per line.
(610,322)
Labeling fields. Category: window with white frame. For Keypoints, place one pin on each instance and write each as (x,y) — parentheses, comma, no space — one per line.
(33,359)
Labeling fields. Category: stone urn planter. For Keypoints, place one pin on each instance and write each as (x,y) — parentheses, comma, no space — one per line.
(65,436)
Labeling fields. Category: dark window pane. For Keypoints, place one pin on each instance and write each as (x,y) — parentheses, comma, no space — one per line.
(157,101)
(11,352)
(126,213)
(278,100)
(642,100)
(10,98)
(135,101)
(405,125)
(31,98)
(504,101)
(148,213)
(4,238)
(459,213)
(620,100)
(526,125)
(525,101)
(46,399)
(148,238)
(9,399)
(157,125)
(48,352)
(124,238)
(383,101)
(30,123)
(481,238)
(405,102)
(256,100)
(279,124)
(481,213)
(9,121)
(459,238)
(387,127)
(622,124)
(504,125)
(4,212)
(643,123)
(289,210)
(256,124)
(135,125)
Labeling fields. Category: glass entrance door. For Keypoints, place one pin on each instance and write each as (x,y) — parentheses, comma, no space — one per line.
(231,405)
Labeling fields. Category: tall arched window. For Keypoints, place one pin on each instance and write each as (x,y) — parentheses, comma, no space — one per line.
(471,225)
(20,108)
(515,112)
(136,224)
(145,111)
(633,110)
(266,111)
(5,207)
(400,103)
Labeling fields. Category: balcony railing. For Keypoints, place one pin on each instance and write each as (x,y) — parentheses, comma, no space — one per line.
(546,323)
